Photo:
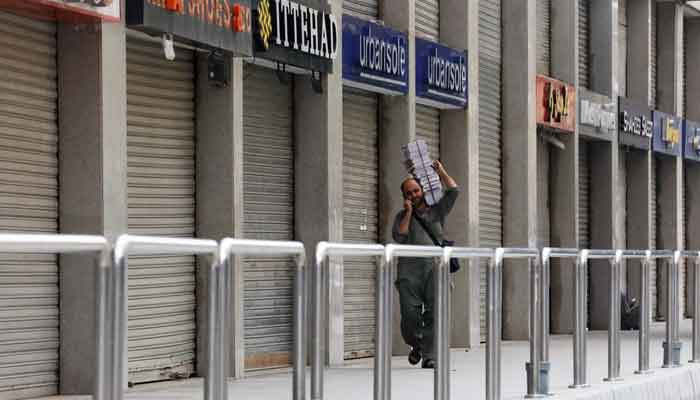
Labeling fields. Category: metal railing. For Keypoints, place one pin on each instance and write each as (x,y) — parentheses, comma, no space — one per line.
(494,316)
(243,247)
(128,245)
(324,251)
(65,244)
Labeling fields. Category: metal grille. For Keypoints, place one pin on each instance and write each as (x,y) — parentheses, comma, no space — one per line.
(583,39)
(29,304)
(428,128)
(490,188)
(652,95)
(161,200)
(543,36)
(268,184)
(360,218)
(428,19)
(583,197)
(654,209)
(368,9)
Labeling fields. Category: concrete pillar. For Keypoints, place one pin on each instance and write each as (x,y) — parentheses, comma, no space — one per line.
(670,170)
(519,157)
(92,176)
(459,149)
(637,163)
(398,127)
(564,174)
(607,189)
(691,30)
(318,141)
(219,194)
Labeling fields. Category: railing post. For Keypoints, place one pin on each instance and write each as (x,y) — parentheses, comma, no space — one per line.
(672,346)
(696,311)
(580,321)
(493,321)
(645,315)
(441,386)
(535,317)
(380,321)
(614,320)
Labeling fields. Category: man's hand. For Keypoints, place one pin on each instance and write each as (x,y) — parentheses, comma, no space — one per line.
(405,223)
(444,177)
(408,206)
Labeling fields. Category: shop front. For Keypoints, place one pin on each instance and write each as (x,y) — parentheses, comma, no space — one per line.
(29,188)
(375,63)
(295,42)
(163,46)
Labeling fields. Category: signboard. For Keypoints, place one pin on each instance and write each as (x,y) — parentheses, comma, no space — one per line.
(667,134)
(691,140)
(597,115)
(302,33)
(108,10)
(441,75)
(635,124)
(556,104)
(215,24)
(375,57)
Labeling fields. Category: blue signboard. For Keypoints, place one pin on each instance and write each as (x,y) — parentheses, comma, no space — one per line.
(667,134)
(375,57)
(441,75)
(691,140)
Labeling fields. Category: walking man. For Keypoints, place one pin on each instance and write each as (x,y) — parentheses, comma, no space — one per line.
(415,275)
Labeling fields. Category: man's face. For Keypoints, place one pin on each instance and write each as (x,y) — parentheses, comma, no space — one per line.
(413,192)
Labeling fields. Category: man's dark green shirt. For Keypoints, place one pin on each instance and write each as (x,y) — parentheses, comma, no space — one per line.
(434,217)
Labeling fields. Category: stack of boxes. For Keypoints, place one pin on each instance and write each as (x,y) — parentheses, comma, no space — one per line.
(418,163)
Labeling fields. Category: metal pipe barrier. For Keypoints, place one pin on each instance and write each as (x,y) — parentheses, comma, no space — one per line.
(392,252)
(696,304)
(494,315)
(672,344)
(324,251)
(242,247)
(65,244)
(127,245)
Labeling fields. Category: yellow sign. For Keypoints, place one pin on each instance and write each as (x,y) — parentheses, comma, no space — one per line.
(265,20)
(672,134)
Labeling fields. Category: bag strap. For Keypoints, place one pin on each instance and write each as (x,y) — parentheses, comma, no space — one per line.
(426,229)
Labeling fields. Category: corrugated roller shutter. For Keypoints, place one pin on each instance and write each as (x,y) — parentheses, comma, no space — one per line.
(584,181)
(161,187)
(622,42)
(428,19)
(360,218)
(268,184)
(428,128)
(652,98)
(29,306)
(490,189)
(543,36)
(368,9)
(653,207)
(583,43)
(543,217)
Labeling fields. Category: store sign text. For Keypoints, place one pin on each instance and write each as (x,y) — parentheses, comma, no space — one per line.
(375,57)
(597,115)
(639,125)
(441,75)
(556,102)
(691,133)
(667,134)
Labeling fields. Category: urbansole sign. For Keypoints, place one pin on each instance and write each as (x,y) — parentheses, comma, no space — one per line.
(375,57)
(441,75)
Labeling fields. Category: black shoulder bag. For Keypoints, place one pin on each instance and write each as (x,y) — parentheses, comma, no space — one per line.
(454,263)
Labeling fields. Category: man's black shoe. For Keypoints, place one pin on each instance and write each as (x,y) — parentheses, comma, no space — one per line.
(428,363)
(414,356)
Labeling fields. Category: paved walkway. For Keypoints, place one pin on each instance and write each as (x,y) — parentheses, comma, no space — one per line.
(354,380)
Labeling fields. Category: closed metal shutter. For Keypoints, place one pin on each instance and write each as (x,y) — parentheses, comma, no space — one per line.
(543,36)
(490,189)
(368,9)
(428,128)
(583,197)
(161,187)
(428,19)
(583,43)
(360,218)
(653,207)
(268,204)
(622,42)
(652,101)
(29,305)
